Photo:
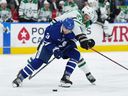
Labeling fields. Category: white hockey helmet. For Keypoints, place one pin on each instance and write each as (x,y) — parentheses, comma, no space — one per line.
(88,11)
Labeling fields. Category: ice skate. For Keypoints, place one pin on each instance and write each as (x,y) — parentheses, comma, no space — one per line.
(65,82)
(17,82)
(90,78)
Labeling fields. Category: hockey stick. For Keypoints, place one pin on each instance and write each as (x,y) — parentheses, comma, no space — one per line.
(31,76)
(109,59)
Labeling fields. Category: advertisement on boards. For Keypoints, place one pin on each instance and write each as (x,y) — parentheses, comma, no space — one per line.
(27,34)
(119,34)
(23,38)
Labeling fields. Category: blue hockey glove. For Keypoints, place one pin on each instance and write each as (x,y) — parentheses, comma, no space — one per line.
(58,54)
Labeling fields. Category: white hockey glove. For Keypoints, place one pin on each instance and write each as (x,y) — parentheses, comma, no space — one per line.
(106,29)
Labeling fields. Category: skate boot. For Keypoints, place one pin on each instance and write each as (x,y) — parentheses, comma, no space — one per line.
(90,78)
(18,81)
(65,82)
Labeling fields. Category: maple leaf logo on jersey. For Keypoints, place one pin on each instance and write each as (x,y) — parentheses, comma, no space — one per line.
(23,35)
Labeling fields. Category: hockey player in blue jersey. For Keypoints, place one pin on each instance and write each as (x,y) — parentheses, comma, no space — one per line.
(59,40)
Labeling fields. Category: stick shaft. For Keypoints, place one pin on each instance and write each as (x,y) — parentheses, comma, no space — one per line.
(31,76)
(109,59)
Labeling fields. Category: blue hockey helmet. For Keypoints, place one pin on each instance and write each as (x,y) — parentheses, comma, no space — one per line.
(68,23)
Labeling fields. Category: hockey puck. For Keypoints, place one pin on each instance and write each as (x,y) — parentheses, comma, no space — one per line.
(54,90)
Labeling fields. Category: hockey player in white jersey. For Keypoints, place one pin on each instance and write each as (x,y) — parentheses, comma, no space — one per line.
(105,14)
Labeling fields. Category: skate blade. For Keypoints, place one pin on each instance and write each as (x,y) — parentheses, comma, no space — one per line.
(93,83)
(15,85)
(64,85)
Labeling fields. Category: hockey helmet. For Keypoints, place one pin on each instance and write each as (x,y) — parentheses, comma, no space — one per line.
(88,11)
(68,23)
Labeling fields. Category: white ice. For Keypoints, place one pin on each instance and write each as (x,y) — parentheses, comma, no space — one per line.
(112,80)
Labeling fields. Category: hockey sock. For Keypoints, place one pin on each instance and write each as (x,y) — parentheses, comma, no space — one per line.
(83,66)
(33,65)
(26,71)
(70,67)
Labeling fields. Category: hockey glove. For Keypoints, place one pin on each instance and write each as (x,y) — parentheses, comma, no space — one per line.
(84,42)
(87,44)
(57,53)
(106,29)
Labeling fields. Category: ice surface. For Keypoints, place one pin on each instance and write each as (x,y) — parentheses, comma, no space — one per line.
(112,80)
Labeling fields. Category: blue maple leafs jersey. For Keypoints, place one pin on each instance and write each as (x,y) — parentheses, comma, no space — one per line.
(54,37)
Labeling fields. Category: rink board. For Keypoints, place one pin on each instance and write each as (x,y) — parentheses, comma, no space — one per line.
(1,41)
(114,48)
(25,37)
(1,51)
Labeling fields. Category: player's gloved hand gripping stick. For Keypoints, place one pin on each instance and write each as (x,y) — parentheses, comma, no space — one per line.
(89,43)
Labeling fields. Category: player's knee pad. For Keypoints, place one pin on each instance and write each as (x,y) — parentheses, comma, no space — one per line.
(81,62)
(35,63)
